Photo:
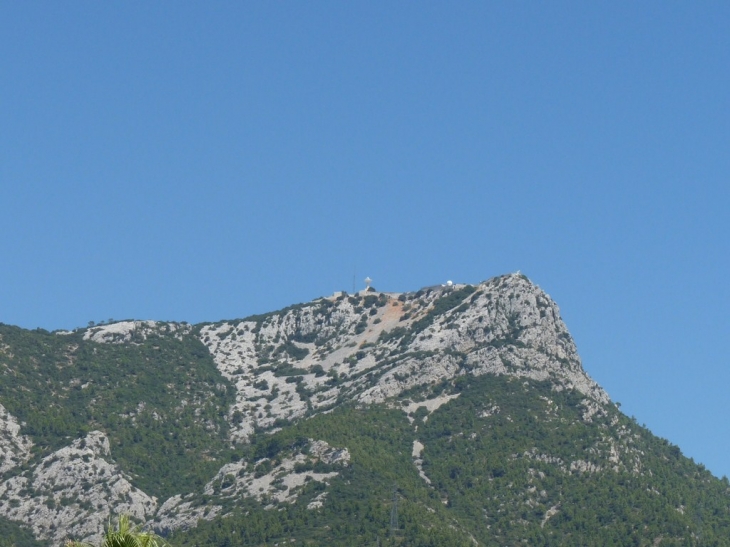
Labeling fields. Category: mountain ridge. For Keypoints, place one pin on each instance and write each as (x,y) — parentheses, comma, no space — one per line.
(219,394)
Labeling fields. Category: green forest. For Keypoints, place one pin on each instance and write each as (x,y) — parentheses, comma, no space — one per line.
(482,482)
(161,401)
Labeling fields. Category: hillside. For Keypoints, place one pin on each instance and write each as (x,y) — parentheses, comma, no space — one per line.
(455,415)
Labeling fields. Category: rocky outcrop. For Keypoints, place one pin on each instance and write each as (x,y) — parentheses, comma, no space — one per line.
(14,447)
(124,332)
(373,346)
(370,348)
(269,482)
(73,492)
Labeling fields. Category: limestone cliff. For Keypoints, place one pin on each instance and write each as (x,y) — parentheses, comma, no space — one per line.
(367,348)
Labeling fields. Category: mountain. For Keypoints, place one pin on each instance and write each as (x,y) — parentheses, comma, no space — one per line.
(454,415)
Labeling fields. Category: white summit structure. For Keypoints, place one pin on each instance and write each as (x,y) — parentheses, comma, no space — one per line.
(367,283)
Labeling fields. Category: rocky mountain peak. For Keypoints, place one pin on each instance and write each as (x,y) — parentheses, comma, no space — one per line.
(404,351)
(372,346)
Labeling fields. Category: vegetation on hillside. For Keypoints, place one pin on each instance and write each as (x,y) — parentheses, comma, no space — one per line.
(358,504)
(490,467)
(509,460)
(501,476)
(161,401)
(12,535)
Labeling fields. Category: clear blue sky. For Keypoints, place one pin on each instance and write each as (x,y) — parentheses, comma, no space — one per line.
(183,161)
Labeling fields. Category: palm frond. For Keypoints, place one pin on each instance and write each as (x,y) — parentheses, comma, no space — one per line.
(126,535)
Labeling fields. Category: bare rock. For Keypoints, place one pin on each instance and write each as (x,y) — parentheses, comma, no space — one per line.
(73,492)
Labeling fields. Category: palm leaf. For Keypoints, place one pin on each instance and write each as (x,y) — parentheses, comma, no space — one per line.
(125,535)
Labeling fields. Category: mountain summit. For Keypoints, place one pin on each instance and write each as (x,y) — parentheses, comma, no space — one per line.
(296,425)
(373,346)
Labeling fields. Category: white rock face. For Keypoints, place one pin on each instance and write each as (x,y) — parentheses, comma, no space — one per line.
(176,513)
(369,348)
(282,479)
(418,460)
(243,353)
(532,339)
(308,358)
(75,492)
(14,447)
(123,332)
(281,483)
(323,452)
(429,404)
(266,481)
